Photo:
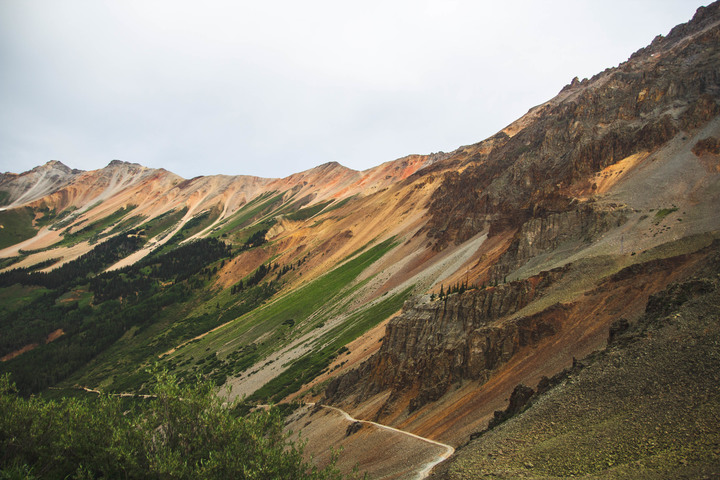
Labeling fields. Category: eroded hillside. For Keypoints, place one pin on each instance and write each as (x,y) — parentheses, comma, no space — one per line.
(176,265)
(418,293)
(644,407)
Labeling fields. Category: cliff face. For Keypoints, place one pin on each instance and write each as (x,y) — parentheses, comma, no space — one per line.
(435,343)
(535,166)
(582,224)
(545,186)
(666,364)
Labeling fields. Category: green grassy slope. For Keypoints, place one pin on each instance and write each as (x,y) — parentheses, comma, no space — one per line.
(16,225)
(255,335)
(114,325)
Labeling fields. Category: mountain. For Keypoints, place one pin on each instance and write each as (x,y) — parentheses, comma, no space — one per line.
(35,184)
(642,407)
(424,294)
(606,175)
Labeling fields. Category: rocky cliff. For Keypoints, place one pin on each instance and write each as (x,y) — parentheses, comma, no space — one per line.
(580,225)
(583,424)
(536,166)
(435,343)
(539,188)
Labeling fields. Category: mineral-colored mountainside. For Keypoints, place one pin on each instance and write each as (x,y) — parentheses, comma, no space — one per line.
(430,292)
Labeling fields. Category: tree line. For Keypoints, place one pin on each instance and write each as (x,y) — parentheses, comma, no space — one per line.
(76,271)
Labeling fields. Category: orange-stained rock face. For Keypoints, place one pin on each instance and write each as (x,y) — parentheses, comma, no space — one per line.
(566,220)
(96,194)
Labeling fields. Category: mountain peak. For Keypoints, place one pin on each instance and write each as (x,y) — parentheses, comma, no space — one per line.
(56,165)
(704,17)
(330,166)
(121,163)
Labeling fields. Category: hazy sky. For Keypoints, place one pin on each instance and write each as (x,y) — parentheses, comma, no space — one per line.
(270,88)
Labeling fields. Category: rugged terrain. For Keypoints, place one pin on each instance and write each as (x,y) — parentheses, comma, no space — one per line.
(647,406)
(419,293)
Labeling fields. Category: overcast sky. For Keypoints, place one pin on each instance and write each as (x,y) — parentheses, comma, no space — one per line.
(270,88)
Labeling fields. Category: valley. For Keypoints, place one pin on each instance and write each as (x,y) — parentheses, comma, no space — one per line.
(574,253)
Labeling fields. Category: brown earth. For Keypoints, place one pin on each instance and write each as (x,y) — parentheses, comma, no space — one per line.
(645,407)
(367,448)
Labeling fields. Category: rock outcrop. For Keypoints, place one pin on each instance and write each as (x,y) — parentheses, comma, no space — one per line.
(653,389)
(529,169)
(582,224)
(533,183)
(27,187)
(709,145)
(434,344)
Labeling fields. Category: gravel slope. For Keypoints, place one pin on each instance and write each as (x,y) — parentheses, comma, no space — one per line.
(646,407)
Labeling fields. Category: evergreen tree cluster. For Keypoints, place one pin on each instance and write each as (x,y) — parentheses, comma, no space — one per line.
(253,279)
(140,280)
(76,271)
(459,287)
(208,272)
(255,240)
(259,274)
(87,332)
(186,260)
(44,264)
(131,297)
(127,287)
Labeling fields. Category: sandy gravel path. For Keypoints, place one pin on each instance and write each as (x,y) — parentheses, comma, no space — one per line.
(425,471)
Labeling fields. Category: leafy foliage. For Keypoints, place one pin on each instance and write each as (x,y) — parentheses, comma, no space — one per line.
(662,213)
(182,432)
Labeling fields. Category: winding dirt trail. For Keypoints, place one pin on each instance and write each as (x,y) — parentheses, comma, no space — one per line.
(422,473)
(121,394)
(425,471)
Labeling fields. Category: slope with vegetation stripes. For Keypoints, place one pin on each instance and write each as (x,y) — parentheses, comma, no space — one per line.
(127,282)
(504,260)
(592,203)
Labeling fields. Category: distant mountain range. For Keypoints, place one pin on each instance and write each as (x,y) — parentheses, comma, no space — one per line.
(419,293)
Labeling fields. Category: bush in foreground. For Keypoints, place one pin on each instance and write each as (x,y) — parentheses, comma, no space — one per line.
(184,431)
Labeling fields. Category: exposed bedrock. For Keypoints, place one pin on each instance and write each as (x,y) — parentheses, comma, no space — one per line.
(434,344)
(671,87)
(583,224)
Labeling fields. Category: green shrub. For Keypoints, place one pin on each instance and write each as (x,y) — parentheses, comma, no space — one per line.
(662,213)
(182,431)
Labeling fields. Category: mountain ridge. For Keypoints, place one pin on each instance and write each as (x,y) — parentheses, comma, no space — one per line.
(418,293)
